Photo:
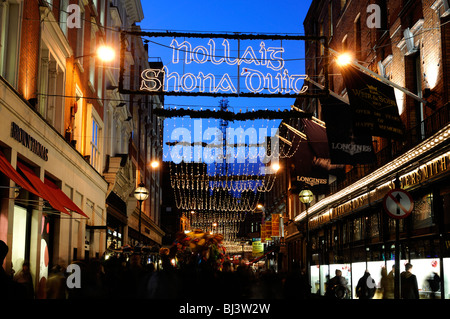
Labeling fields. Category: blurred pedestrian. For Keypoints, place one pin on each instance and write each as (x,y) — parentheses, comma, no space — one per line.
(409,288)
(23,277)
(387,283)
(365,289)
(56,283)
(337,287)
(9,289)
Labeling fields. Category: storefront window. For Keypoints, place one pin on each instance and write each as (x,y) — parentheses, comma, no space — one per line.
(422,212)
(357,229)
(425,271)
(373,226)
(358,270)
(374,268)
(446,262)
(346,272)
(315,279)
(19,243)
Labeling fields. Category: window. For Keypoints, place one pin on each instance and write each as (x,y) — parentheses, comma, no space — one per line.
(63,15)
(51,88)
(94,145)
(95,153)
(9,40)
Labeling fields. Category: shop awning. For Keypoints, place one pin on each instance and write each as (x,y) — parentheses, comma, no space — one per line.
(12,174)
(63,198)
(44,190)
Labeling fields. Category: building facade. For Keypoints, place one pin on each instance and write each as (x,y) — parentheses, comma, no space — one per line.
(66,126)
(348,228)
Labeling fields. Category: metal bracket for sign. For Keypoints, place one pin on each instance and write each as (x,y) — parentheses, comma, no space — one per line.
(322,40)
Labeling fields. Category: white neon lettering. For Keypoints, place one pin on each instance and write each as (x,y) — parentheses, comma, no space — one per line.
(225,84)
(176,51)
(249,60)
(255,81)
(226,45)
(273,57)
(212,48)
(204,54)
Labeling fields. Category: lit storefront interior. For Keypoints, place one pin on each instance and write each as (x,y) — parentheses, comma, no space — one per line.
(350,231)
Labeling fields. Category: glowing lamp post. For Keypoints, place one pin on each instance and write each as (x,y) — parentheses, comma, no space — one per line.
(141,193)
(306,197)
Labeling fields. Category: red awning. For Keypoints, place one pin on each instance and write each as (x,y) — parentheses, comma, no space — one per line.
(9,171)
(63,198)
(44,190)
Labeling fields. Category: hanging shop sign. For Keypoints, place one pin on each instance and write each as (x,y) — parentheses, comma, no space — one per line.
(224,65)
(398,203)
(28,141)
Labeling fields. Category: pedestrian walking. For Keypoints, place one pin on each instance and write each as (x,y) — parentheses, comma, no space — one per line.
(409,288)
(365,289)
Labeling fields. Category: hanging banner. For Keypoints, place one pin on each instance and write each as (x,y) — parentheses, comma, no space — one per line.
(308,171)
(344,146)
(276,225)
(268,229)
(257,248)
(374,106)
(263,231)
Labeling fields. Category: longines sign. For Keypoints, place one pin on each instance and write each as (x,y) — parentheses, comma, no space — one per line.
(28,141)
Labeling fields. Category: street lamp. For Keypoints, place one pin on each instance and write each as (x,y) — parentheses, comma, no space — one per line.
(344,59)
(154,164)
(141,193)
(306,197)
(104,53)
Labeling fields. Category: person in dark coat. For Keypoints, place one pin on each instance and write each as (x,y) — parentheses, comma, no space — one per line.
(365,289)
(409,288)
(9,289)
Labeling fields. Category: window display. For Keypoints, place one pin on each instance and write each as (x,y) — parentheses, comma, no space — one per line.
(427,272)
(315,279)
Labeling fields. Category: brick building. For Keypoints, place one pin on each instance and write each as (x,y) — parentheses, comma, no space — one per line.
(406,43)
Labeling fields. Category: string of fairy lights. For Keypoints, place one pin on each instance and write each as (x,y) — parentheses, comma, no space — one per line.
(216,196)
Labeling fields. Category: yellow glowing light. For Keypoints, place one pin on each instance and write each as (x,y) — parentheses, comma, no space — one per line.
(344,59)
(275,167)
(154,164)
(105,53)
(260,206)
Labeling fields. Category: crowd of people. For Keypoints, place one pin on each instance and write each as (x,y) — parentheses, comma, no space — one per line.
(127,277)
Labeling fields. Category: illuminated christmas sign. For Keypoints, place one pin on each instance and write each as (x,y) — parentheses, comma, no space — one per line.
(255,80)
(226,65)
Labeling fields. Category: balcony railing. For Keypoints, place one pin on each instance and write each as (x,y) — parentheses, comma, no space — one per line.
(430,126)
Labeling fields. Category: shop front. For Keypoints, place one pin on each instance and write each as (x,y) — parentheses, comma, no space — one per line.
(50,195)
(354,233)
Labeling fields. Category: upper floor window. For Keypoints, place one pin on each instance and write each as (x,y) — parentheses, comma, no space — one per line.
(9,40)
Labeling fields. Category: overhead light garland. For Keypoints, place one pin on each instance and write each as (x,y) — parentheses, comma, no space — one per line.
(231,116)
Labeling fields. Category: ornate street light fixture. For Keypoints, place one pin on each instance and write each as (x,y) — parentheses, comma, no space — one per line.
(141,193)
(306,197)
